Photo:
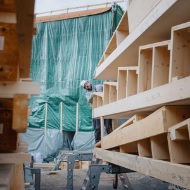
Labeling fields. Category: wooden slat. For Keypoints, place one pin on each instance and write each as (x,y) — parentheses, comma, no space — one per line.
(20,113)
(9,53)
(9,89)
(6,175)
(25,24)
(7,6)
(177,131)
(180,48)
(11,158)
(172,173)
(8,136)
(18,181)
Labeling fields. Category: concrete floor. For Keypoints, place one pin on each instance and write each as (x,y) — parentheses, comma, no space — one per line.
(138,181)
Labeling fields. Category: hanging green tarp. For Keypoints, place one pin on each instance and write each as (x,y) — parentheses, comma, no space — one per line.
(64,53)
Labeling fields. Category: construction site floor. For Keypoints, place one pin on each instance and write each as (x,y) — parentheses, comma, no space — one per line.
(138,181)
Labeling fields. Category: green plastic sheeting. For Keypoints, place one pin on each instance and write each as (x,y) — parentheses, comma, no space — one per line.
(64,53)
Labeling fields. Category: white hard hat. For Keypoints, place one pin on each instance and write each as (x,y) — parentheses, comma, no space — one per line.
(83,82)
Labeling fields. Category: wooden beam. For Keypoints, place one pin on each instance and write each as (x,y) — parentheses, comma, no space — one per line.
(7,6)
(160,17)
(11,158)
(18,180)
(98,94)
(20,113)
(71,15)
(102,128)
(7,17)
(9,52)
(138,10)
(155,124)
(172,173)
(6,175)
(180,127)
(9,89)
(131,120)
(44,165)
(25,25)
(174,93)
(179,59)
(8,136)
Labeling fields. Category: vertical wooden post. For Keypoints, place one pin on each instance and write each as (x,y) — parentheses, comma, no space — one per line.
(61,115)
(77,118)
(102,127)
(115,124)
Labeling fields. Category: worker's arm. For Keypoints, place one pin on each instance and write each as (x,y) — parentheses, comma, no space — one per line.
(98,88)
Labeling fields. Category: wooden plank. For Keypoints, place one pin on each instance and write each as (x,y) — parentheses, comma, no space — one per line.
(120,36)
(132,120)
(127,82)
(106,94)
(180,51)
(18,181)
(123,24)
(175,93)
(138,10)
(122,83)
(8,136)
(20,113)
(144,148)
(131,83)
(114,124)
(112,45)
(25,24)
(71,15)
(99,101)
(172,173)
(158,73)
(6,175)
(18,158)
(95,101)
(145,70)
(179,151)
(164,118)
(7,6)
(180,131)
(161,17)
(161,62)
(7,17)
(102,128)
(159,147)
(43,165)
(112,94)
(98,94)
(9,89)
(129,148)
(111,83)
(9,54)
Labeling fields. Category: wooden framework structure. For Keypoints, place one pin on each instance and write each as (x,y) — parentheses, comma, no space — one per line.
(151,74)
(16,32)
